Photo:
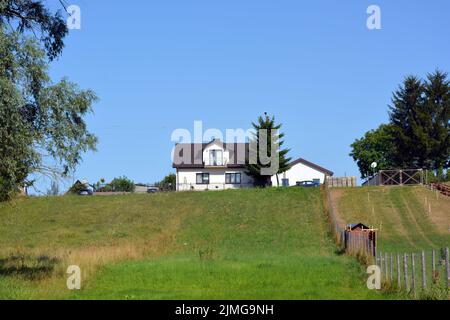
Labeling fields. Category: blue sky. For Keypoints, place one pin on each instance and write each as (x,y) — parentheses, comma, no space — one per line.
(161,65)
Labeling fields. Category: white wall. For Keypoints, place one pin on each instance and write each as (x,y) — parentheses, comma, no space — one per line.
(297,173)
(215,146)
(187,179)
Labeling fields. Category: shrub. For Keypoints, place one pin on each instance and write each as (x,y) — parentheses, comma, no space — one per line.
(122,184)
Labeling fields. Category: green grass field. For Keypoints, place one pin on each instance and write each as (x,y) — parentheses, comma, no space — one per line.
(408,218)
(244,244)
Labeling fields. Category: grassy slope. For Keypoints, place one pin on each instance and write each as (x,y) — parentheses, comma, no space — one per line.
(255,244)
(401,213)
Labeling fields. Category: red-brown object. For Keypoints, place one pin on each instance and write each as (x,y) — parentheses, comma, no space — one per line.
(442,188)
(360,238)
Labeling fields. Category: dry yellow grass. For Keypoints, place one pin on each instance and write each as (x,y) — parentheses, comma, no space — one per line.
(437,206)
(408,218)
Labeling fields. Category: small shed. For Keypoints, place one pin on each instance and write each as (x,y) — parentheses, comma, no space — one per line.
(357,227)
(361,238)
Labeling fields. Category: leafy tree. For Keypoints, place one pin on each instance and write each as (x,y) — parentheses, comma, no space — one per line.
(375,146)
(169,182)
(418,135)
(77,187)
(39,119)
(406,120)
(437,107)
(16,153)
(33,16)
(256,170)
(122,184)
(420,117)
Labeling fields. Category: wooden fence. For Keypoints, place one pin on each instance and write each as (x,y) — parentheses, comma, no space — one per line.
(415,272)
(341,182)
(397,178)
(352,243)
(410,272)
(336,230)
(442,188)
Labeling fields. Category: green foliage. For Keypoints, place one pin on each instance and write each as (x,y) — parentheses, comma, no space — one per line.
(17,156)
(37,117)
(437,107)
(375,146)
(434,176)
(418,135)
(122,184)
(273,137)
(169,182)
(77,187)
(420,115)
(33,16)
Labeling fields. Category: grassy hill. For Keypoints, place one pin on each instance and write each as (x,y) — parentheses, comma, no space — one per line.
(249,244)
(408,218)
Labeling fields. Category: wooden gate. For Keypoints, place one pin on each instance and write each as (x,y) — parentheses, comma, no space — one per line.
(397,178)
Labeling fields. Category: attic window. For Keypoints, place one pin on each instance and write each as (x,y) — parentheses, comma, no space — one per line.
(216,158)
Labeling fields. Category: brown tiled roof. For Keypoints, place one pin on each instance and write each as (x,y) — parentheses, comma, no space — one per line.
(239,154)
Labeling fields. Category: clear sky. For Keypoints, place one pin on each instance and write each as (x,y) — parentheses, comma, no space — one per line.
(161,65)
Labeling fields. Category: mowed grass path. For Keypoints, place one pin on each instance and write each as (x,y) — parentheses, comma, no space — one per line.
(244,244)
(402,215)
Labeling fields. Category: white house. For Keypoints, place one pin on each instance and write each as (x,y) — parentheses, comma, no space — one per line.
(218,166)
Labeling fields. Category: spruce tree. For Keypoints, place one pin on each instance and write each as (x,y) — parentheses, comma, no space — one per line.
(406,117)
(273,137)
(437,105)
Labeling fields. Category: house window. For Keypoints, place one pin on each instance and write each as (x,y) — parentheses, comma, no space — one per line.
(233,178)
(216,158)
(202,178)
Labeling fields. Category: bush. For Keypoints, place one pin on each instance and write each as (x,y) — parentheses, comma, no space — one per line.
(77,187)
(438,176)
(168,183)
(121,184)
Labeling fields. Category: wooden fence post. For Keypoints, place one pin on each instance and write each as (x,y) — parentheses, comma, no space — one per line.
(381,265)
(399,273)
(375,250)
(413,276)
(424,273)
(433,266)
(447,266)
(386,267)
(392,267)
(405,266)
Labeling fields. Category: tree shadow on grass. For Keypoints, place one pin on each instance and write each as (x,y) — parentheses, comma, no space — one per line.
(27,267)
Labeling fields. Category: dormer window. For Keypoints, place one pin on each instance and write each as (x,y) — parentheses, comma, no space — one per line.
(216,158)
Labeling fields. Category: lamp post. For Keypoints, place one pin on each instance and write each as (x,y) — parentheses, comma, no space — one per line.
(374,166)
